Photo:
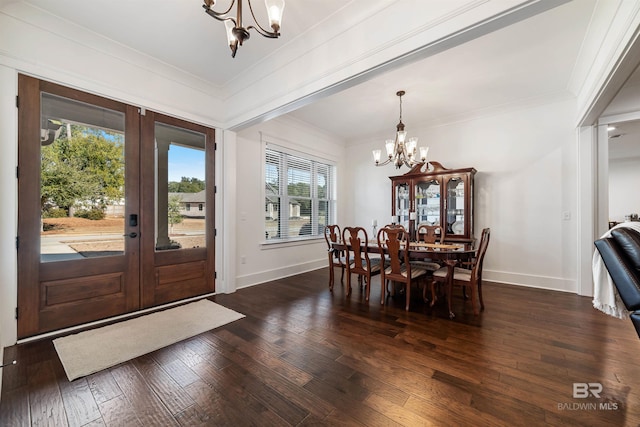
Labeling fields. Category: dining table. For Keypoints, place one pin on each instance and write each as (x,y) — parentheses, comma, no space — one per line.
(450,254)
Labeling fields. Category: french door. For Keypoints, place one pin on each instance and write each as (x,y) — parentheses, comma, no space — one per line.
(115,208)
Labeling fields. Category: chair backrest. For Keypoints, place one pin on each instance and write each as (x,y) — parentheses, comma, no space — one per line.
(358,241)
(393,241)
(482,249)
(331,234)
(402,235)
(429,233)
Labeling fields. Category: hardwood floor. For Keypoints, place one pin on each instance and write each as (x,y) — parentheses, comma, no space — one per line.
(304,356)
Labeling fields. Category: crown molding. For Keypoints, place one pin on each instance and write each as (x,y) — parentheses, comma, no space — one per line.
(610,55)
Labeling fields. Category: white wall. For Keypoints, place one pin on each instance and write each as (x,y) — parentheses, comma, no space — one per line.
(267,262)
(624,198)
(526,180)
(8,214)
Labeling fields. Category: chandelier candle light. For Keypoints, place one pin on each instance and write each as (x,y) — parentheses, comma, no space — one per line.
(236,33)
(401,151)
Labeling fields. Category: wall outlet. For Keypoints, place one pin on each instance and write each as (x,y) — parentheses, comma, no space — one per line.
(243,259)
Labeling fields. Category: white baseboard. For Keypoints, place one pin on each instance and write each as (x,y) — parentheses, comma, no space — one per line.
(279,273)
(509,278)
(530,281)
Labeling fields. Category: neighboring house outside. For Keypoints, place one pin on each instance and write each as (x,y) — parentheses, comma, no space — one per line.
(271,211)
(294,210)
(115,208)
(192,205)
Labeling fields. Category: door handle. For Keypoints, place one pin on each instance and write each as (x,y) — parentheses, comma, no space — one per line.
(133,234)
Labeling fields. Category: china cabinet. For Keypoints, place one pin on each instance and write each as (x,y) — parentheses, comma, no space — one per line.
(430,193)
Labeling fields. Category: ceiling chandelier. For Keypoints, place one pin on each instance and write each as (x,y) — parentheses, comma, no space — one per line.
(236,33)
(401,151)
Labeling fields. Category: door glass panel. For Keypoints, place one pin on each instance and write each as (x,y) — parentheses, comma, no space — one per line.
(180,188)
(82,178)
(455,206)
(428,202)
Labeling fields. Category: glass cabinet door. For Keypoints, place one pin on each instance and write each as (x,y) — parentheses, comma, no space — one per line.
(435,196)
(455,206)
(427,195)
(402,203)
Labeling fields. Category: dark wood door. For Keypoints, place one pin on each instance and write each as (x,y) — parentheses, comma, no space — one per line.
(101,231)
(178,238)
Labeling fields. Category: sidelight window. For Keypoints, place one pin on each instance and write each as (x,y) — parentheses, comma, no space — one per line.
(180,185)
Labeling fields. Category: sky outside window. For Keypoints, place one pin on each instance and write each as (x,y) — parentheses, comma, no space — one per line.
(187,162)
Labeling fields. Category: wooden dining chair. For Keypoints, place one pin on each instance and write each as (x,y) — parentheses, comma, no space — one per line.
(336,258)
(428,233)
(471,277)
(358,260)
(393,241)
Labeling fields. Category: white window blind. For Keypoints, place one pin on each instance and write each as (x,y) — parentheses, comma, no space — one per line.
(299,196)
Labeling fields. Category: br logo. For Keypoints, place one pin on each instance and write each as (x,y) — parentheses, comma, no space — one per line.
(584,390)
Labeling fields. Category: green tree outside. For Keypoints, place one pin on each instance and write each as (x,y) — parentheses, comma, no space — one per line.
(186,185)
(87,168)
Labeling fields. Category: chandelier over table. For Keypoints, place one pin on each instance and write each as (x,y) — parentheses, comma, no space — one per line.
(401,151)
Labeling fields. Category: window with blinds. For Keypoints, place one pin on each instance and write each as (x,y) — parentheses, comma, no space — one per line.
(299,196)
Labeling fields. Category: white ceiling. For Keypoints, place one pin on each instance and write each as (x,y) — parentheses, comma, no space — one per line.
(522,62)
(530,59)
(181,34)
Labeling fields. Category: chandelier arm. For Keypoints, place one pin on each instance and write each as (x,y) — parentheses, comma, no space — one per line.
(259,29)
(219,15)
(386,162)
(262,32)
